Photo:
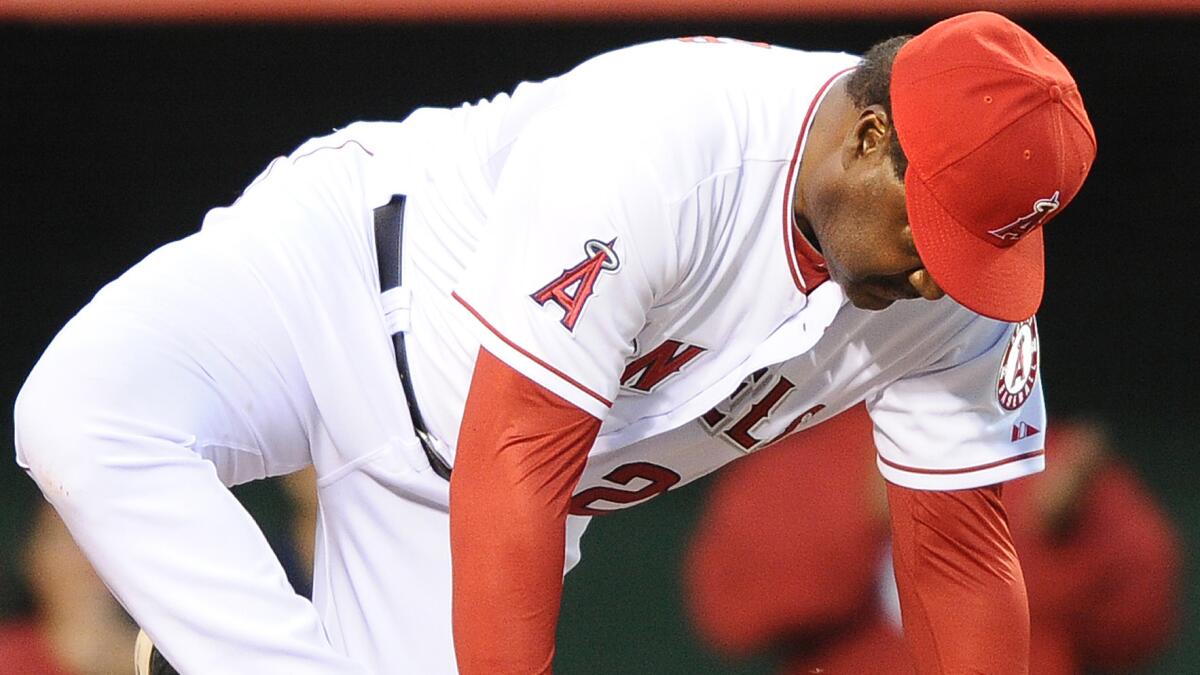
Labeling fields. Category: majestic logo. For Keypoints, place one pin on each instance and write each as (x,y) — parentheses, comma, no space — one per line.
(571,289)
(1022,430)
(1042,209)
(1018,368)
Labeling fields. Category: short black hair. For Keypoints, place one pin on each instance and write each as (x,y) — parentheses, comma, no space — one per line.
(871,84)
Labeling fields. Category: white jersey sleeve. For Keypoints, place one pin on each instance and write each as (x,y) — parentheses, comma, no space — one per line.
(975,418)
(576,249)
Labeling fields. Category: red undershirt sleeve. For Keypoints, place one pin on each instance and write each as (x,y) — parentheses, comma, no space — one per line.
(962,595)
(521,450)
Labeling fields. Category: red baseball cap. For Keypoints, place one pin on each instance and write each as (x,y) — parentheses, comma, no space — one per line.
(998,143)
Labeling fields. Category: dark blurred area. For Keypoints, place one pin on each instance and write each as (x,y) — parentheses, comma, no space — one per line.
(114,140)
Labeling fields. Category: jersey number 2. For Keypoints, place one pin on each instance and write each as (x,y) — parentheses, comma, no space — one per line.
(658,479)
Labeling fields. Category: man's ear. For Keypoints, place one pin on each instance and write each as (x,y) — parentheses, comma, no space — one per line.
(870,135)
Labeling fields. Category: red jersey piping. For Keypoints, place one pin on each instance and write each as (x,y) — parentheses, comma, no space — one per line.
(531,357)
(805,263)
(981,467)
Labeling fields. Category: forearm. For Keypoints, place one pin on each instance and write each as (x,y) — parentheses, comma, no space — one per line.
(961,590)
(508,561)
(506,587)
(520,453)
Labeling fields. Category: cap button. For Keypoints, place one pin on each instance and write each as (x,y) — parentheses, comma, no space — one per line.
(1056,93)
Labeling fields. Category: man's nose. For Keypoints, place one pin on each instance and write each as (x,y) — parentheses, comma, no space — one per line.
(923,281)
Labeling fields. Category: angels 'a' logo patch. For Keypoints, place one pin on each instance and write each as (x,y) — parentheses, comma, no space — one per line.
(1019,367)
(1042,208)
(571,289)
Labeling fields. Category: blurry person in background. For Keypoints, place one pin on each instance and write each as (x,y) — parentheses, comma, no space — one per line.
(787,559)
(75,627)
(300,489)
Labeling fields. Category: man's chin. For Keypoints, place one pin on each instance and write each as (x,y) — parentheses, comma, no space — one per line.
(869,301)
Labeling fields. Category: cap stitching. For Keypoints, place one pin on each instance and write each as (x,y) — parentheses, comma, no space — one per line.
(978,66)
(1082,121)
(927,179)
(1021,43)
(945,210)
(1058,138)
(1025,75)
(985,141)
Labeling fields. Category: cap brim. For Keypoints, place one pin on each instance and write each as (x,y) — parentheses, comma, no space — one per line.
(1000,283)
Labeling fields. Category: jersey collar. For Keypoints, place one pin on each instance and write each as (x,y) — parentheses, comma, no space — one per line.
(805,263)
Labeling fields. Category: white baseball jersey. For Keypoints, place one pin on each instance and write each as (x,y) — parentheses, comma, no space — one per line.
(659,283)
(622,235)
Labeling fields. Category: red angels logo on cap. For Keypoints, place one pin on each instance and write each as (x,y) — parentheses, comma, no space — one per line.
(1019,367)
(1042,209)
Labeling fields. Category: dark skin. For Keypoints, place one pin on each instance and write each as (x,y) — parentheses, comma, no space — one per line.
(850,205)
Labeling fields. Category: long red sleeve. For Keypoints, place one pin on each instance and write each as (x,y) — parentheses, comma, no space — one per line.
(789,546)
(521,450)
(961,590)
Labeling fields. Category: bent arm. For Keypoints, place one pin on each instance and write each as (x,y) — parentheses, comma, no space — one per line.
(962,595)
(521,451)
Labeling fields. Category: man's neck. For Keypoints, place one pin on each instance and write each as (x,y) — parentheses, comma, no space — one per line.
(806,230)
(834,117)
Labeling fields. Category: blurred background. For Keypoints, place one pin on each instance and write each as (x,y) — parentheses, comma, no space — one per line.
(121,123)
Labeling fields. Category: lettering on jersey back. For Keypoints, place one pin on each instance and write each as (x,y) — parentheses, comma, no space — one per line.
(713,418)
(764,397)
(652,368)
(571,289)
